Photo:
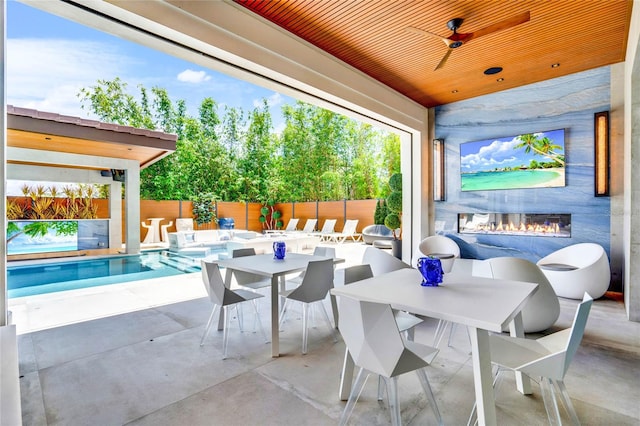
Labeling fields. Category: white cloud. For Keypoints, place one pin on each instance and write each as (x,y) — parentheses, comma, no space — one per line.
(190,76)
(47,74)
(272,101)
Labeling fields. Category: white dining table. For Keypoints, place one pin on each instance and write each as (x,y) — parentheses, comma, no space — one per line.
(482,304)
(265,265)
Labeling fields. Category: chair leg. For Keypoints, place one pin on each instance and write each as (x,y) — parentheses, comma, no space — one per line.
(257,318)
(356,390)
(424,381)
(328,321)
(550,402)
(381,387)
(394,401)
(283,314)
(209,324)
(225,332)
(566,401)
(440,330)
(305,326)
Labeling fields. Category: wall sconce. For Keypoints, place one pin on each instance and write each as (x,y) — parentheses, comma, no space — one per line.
(438,170)
(601,161)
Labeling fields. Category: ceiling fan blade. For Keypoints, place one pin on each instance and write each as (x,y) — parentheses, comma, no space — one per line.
(444,59)
(427,33)
(502,25)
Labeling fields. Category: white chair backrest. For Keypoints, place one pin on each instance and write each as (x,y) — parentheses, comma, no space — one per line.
(292,225)
(310,225)
(382,262)
(578,255)
(371,334)
(435,244)
(357,273)
(577,329)
(317,281)
(328,226)
(242,277)
(514,268)
(213,281)
(184,224)
(325,251)
(242,252)
(350,226)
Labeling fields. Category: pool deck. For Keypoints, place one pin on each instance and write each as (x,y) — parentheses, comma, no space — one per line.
(129,354)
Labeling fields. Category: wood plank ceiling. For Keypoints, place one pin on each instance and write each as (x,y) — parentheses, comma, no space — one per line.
(374,37)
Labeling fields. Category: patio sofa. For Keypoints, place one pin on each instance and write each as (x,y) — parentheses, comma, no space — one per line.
(199,243)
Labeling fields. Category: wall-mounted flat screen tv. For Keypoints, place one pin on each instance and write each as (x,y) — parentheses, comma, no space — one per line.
(529,160)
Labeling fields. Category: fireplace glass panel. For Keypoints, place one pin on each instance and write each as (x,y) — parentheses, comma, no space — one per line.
(526,224)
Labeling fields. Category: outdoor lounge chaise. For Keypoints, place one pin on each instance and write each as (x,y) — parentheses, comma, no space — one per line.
(348,231)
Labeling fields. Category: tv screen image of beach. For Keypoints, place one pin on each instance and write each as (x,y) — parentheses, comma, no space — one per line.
(530,160)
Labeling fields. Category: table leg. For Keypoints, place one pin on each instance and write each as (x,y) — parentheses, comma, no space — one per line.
(346,378)
(516,329)
(275,310)
(227,283)
(482,376)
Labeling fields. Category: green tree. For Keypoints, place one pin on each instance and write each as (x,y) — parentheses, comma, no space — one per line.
(540,146)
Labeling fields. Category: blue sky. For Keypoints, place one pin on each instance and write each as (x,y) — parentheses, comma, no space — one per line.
(49,59)
(498,152)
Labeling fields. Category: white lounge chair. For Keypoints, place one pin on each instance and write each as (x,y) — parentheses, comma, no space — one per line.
(310,226)
(327,229)
(291,227)
(348,231)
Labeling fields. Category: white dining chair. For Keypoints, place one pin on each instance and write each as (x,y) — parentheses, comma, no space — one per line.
(406,322)
(374,341)
(248,280)
(329,252)
(315,286)
(543,308)
(225,298)
(548,358)
(382,262)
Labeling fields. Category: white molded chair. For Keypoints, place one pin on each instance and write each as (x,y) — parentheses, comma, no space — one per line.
(150,235)
(548,357)
(247,279)
(315,286)
(329,252)
(374,341)
(576,269)
(382,262)
(437,244)
(406,322)
(164,231)
(225,298)
(543,308)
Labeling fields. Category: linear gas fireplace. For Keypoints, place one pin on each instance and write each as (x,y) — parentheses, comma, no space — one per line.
(529,224)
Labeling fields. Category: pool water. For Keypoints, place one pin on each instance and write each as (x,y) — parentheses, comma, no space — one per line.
(32,279)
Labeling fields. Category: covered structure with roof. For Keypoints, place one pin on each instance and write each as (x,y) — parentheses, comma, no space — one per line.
(43,146)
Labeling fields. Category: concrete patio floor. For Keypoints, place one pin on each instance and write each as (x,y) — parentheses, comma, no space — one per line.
(129,354)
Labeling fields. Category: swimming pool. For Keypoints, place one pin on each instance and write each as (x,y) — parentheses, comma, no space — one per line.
(48,277)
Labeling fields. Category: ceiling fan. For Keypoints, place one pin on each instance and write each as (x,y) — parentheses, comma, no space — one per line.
(456,39)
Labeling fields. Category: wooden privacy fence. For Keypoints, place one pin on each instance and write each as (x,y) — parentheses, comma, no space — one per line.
(247,215)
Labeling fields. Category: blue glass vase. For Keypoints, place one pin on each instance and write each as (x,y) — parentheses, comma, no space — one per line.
(279,250)
(431,270)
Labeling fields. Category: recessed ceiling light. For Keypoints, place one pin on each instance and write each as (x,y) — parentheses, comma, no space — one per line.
(556,65)
(454,91)
(500,80)
(493,70)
